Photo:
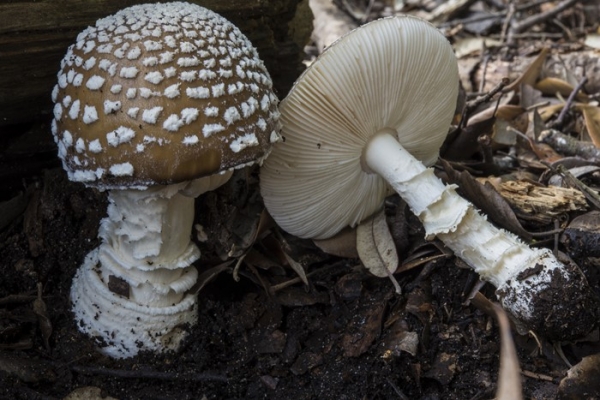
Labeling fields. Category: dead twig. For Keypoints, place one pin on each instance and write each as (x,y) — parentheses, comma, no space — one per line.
(496,15)
(147,374)
(473,104)
(556,124)
(569,146)
(519,27)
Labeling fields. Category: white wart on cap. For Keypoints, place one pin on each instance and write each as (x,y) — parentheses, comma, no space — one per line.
(395,73)
(161,93)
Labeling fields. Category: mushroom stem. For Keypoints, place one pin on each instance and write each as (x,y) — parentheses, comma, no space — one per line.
(146,243)
(531,282)
(142,272)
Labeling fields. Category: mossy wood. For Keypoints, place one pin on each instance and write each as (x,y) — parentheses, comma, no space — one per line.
(35,35)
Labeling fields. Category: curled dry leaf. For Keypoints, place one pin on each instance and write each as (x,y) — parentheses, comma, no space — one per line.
(509,378)
(531,74)
(591,116)
(341,245)
(399,339)
(552,86)
(376,247)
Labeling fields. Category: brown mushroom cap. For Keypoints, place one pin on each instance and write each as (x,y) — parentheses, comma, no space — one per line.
(161,93)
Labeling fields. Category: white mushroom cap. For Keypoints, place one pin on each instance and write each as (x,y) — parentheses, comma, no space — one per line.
(161,93)
(397,74)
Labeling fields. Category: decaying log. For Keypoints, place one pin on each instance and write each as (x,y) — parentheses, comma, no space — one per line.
(35,35)
(540,203)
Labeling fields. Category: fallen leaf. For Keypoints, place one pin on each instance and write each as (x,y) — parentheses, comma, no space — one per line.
(398,339)
(552,86)
(592,40)
(342,244)
(469,45)
(365,325)
(509,377)
(376,247)
(531,74)
(592,122)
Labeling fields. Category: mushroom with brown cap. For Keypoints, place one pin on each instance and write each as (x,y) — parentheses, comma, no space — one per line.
(157,103)
(364,118)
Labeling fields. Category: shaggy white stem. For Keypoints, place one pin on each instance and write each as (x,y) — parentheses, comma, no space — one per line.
(531,283)
(132,292)
(495,254)
(146,242)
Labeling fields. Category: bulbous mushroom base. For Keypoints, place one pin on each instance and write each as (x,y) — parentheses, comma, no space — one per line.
(120,327)
(556,303)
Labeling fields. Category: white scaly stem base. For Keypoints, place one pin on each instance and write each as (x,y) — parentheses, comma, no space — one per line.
(131,293)
(528,280)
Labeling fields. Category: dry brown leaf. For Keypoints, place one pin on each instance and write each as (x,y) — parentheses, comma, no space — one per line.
(592,122)
(398,339)
(592,40)
(470,45)
(548,112)
(376,247)
(552,86)
(509,378)
(297,267)
(531,74)
(341,245)
(465,144)
(504,133)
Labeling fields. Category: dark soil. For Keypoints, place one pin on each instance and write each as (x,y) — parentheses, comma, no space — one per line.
(346,335)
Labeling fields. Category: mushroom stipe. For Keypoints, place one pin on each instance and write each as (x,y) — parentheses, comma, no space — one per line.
(379,102)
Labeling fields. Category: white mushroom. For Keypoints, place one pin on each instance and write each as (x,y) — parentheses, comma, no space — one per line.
(152,127)
(363,119)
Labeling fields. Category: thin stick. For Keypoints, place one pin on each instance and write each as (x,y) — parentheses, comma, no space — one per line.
(165,376)
(495,15)
(527,23)
(563,113)
(473,104)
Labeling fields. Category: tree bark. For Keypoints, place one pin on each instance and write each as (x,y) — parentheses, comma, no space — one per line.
(34,37)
